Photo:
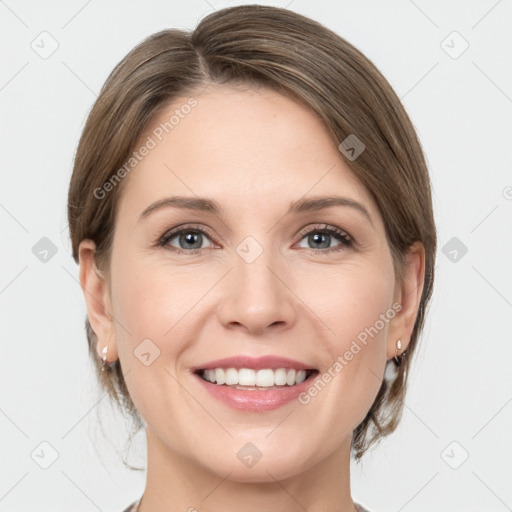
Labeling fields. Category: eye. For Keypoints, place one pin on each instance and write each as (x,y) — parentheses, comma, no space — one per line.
(189,239)
(321,237)
(192,240)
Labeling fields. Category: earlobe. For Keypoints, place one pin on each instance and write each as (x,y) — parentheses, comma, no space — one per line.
(409,295)
(97,300)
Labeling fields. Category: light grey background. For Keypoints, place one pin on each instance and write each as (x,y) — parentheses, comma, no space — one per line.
(461,385)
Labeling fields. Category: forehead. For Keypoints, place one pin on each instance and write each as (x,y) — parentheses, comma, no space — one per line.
(253,144)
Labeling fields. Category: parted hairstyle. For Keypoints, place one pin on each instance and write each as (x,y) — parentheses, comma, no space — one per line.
(297,57)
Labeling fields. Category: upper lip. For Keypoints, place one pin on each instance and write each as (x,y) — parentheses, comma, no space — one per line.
(255,363)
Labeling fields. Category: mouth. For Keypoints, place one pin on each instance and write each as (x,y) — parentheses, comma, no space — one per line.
(249,379)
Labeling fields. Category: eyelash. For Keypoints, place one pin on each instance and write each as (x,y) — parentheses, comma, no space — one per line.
(345,239)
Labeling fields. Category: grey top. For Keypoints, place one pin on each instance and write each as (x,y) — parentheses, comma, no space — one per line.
(132,507)
(135,504)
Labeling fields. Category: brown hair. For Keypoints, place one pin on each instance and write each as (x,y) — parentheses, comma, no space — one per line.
(295,56)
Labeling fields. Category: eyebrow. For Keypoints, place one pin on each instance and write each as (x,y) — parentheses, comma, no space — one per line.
(212,206)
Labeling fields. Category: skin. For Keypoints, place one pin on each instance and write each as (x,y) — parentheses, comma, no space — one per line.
(254,151)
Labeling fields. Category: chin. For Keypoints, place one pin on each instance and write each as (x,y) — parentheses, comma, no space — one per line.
(246,465)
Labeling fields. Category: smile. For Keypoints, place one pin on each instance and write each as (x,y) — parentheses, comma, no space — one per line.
(250,390)
(250,379)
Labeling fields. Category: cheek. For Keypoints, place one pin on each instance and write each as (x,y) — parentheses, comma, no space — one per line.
(342,303)
(355,309)
(151,315)
(350,301)
(153,298)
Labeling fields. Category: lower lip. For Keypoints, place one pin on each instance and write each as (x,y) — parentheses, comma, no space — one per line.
(256,400)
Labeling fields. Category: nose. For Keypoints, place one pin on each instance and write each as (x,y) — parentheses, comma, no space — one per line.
(257,296)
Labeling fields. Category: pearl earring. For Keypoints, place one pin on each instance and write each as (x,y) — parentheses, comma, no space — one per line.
(104,357)
(399,357)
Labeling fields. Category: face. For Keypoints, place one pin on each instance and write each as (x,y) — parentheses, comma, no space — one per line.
(274,274)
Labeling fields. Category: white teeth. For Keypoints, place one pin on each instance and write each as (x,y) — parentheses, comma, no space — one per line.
(220,376)
(280,377)
(301,376)
(265,378)
(246,377)
(231,376)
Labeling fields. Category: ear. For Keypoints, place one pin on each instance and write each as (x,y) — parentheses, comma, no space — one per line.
(409,296)
(97,299)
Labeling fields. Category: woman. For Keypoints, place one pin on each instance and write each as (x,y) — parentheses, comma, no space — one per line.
(251,211)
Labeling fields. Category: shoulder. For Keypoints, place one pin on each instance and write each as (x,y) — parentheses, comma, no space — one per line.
(133,507)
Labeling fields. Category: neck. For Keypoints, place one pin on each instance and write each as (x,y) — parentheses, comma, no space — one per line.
(175,482)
